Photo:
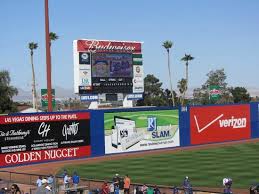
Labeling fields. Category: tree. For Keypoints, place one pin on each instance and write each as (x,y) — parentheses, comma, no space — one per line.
(33,46)
(186,58)
(53,37)
(240,95)
(182,89)
(153,95)
(217,77)
(167,45)
(7,92)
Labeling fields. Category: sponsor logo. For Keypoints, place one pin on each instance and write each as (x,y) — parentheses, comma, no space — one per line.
(151,123)
(44,129)
(89,98)
(85,81)
(232,122)
(95,45)
(84,58)
(219,123)
(159,134)
(138,81)
(69,130)
(138,89)
(134,96)
(215,92)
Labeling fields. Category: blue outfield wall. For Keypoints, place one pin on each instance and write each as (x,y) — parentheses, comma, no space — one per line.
(254,112)
(93,121)
(184,125)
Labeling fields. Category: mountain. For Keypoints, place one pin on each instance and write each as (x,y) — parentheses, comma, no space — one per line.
(61,93)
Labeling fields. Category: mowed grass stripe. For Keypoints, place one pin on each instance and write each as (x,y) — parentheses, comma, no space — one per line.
(205,167)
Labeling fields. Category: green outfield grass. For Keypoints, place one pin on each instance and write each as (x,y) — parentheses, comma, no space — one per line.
(164,117)
(204,167)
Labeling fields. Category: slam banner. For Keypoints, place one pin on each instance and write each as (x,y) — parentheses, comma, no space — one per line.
(219,123)
(44,137)
(141,130)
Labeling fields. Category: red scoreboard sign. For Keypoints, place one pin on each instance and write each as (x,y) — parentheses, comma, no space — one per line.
(108,46)
(219,123)
(28,138)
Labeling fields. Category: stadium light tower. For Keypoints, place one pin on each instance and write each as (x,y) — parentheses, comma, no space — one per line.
(48,61)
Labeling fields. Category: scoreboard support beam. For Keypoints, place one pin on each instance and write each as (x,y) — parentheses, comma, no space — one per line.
(127,103)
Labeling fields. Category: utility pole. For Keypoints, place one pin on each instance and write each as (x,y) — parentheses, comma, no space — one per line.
(48,61)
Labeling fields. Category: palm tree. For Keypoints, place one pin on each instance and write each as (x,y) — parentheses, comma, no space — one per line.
(33,46)
(186,58)
(53,36)
(167,45)
(182,88)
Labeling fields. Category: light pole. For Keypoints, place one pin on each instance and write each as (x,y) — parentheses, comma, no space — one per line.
(48,61)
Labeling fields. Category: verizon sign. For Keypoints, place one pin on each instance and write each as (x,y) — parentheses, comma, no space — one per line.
(219,123)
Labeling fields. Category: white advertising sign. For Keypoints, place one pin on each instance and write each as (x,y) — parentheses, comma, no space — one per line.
(138,71)
(85,76)
(142,133)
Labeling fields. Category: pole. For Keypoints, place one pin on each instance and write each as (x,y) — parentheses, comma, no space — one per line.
(48,61)
(170,79)
(34,92)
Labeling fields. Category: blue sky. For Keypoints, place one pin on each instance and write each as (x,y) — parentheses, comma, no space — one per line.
(218,33)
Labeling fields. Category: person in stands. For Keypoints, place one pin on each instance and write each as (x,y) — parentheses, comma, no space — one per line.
(105,188)
(187,186)
(38,182)
(126,184)
(156,190)
(15,189)
(75,179)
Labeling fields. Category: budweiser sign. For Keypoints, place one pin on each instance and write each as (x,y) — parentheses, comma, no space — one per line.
(108,46)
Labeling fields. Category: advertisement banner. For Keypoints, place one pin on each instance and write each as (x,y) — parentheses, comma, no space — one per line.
(43,137)
(44,98)
(215,92)
(142,130)
(84,58)
(96,46)
(219,123)
(85,76)
(138,71)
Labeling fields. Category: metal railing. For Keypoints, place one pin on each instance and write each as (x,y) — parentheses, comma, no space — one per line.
(9,177)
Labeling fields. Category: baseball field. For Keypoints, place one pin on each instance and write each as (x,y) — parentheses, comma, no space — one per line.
(206,167)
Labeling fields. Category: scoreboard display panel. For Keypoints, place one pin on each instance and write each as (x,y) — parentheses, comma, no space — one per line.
(108,67)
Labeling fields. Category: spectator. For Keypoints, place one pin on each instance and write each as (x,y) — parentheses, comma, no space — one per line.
(115,179)
(43,189)
(64,173)
(75,180)
(121,185)
(38,182)
(150,190)
(105,188)
(227,182)
(126,184)
(66,181)
(15,189)
(144,189)
(187,186)
(51,181)
(111,188)
(138,190)
(156,190)
(175,190)
(254,189)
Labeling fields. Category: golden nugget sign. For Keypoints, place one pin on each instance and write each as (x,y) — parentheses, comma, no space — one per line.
(108,46)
